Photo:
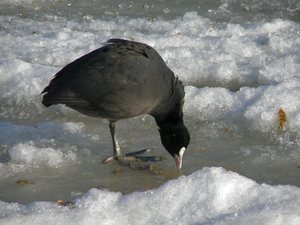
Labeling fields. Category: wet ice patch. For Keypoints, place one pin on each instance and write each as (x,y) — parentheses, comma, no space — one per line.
(47,144)
(58,132)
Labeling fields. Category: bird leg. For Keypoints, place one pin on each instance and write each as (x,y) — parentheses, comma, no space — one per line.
(129,157)
(117,149)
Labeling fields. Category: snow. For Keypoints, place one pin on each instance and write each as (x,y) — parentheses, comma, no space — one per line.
(255,108)
(208,196)
(237,76)
(27,153)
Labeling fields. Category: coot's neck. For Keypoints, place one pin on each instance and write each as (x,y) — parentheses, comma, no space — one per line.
(170,110)
(172,115)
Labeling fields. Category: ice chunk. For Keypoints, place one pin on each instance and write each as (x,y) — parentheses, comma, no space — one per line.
(28,153)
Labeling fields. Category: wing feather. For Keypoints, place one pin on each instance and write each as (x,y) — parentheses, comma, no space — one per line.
(66,97)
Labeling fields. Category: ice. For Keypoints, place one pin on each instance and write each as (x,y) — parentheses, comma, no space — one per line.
(237,76)
(42,145)
(200,53)
(234,11)
(27,153)
(208,196)
(255,108)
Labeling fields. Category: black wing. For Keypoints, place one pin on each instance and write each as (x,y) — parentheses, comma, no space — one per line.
(120,73)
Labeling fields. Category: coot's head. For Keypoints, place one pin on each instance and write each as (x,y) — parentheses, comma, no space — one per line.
(175,138)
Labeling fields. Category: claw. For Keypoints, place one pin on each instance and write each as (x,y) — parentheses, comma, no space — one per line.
(109,159)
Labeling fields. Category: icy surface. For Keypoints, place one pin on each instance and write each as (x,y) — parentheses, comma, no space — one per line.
(209,196)
(240,67)
(234,11)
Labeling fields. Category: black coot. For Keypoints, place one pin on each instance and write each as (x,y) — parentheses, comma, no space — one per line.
(120,80)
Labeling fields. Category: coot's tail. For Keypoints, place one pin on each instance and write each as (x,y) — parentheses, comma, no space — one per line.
(47,97)
(53,96)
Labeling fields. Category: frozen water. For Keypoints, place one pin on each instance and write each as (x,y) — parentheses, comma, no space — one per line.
(209,196)
(235,11)
(238,74)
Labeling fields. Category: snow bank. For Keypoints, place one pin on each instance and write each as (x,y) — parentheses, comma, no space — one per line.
(249,71)
(209,196)
(254,109)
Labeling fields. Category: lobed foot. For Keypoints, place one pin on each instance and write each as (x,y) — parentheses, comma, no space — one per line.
(134,160)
